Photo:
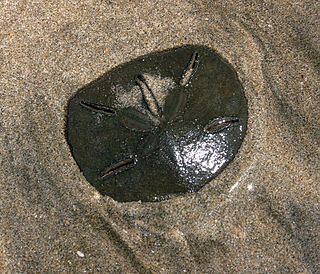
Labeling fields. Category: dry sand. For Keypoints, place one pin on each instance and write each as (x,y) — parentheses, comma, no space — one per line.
(261,215)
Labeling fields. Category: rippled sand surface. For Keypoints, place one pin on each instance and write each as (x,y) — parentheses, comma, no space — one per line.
(261,215)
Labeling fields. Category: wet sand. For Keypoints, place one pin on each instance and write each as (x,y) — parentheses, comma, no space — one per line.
(260,215)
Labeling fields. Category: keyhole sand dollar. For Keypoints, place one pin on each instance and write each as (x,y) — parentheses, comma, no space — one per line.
(158,126)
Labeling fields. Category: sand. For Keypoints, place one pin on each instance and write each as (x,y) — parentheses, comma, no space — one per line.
(261,215)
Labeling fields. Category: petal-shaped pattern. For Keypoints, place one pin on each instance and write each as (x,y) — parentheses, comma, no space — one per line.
(175,104)
(135,120)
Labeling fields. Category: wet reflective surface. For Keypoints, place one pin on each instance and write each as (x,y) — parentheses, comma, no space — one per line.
(161,125)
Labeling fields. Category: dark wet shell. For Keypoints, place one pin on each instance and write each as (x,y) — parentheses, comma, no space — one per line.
(130,157)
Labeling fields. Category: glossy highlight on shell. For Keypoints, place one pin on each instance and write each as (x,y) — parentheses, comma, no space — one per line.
(159,126)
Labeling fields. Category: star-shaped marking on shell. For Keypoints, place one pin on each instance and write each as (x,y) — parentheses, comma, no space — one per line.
(158,144)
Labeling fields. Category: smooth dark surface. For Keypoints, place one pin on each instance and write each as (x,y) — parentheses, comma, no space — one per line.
(158,148)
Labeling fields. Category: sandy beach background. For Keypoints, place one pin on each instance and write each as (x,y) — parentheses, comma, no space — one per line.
(261,215)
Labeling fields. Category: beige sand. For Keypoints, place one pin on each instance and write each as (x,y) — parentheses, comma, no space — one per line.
(261,215)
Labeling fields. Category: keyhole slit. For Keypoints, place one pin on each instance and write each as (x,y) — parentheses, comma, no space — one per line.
(98,108)
(149,97)
(190,70)
(117,168)
(221,124)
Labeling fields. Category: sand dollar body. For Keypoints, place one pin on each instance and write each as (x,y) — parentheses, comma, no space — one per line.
(158,126)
